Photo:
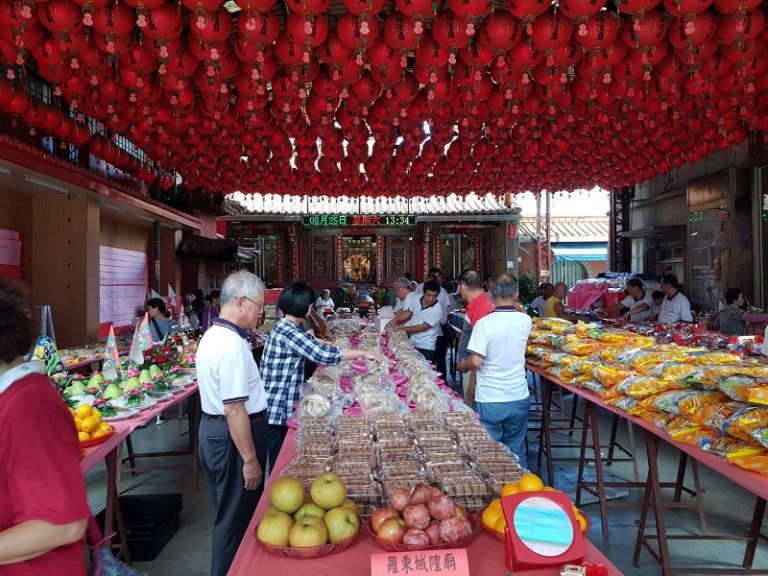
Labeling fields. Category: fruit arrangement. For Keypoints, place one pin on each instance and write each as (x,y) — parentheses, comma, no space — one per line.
(90,429)
(421,518)
(493,519)
(301,525)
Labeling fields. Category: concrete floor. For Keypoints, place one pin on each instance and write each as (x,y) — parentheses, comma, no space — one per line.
(728,508)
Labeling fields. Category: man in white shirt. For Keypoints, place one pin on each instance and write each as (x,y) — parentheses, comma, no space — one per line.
(420,318)
(233,428)
(540,302)
(497,351)
(402,287)
(676,307)
(441,347)
(638,305)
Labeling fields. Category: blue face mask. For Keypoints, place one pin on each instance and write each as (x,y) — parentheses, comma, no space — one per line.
(543,526)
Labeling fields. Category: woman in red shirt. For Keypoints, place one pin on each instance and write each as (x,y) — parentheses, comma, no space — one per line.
(43,506)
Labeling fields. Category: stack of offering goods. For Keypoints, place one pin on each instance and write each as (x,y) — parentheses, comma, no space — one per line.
(713,399)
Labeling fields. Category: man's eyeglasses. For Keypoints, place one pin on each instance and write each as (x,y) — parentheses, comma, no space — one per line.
(254,302)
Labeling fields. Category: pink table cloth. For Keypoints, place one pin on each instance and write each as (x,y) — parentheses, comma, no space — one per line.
(486,554)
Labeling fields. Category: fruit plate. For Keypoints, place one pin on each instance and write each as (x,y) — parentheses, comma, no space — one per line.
(96,441)
(399,547)
(122,414)
(313,551)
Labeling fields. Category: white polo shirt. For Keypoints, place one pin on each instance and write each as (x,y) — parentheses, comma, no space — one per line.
(442,297)
(431,316)
(678,309)
(499,338)
(227,372)
(631,303)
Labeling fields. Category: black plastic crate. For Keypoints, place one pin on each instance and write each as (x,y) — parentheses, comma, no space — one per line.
(151,520)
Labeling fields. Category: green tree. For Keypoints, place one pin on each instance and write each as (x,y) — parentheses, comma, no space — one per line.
(527,288)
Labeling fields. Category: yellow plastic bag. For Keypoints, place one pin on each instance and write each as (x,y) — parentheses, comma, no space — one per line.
(643,386)
(610,376)
(683,402)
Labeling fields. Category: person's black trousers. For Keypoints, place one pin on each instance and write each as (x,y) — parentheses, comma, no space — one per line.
(441,348)
(233,505)
(275,437)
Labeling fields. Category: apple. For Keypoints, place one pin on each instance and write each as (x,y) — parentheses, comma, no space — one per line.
(453,530)
(460,512)
(287,494)
(350,504)
(381,515)
(433,531)
(420,494)
(440,507)
(392,530)
(274,528)
(308,532)
(341,523)
(309,509)
(399,498)
(416,537)
(417,516)
(328,491)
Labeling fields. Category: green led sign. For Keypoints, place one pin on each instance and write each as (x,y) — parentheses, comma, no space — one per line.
(358,220)
(709,215)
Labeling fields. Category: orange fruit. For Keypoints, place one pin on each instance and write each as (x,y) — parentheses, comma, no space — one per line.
(509,488)
(105,427)
(83,411)
(78,424)
(491,516)
(530,483)
(96,414)
(550,489)
(501,524)
(495,504)
(89,424)
(83,436)
(98,433)
(71,411)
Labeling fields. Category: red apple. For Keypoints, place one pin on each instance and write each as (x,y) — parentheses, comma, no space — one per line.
(381,515)
(392,530)
(453,530)
(433,531)
(460,511)
(420,494)
(440,507)
(416,537)
(435,491)
(399,498)
(417,516)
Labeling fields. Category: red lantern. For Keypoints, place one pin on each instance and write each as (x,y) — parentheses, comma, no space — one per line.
(258,28)
(364,6)
(733,6)
(416,11)
(470,11)
(334,51)
(501,31)
(740,27)
(308,6)
(115,19)
(476,54)
(598,31)
(448,32)
(398,32)
(288,51)
(307,30)
(212,27)
(646,31)
(58,16)
(431,55)
(744,51)
(578,9)
(358,31)
(693,31)
(551,31)
(683,8)
(163,23)
(527,10)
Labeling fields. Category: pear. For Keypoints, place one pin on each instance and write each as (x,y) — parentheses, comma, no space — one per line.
(76,388)
(112,391)
(131,383)
(154,370)
(145,377)
(95,381)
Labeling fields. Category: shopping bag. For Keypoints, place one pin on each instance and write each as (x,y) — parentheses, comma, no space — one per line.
(103,562)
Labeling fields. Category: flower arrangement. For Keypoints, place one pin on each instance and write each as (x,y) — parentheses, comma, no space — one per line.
(134,397)
(379,295)
(160,354)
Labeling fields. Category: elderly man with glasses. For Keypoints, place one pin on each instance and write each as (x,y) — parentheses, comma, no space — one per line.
(233,429)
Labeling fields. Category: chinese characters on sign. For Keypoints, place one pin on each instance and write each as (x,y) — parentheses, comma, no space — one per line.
(358,220)
(709,215)
(443,562)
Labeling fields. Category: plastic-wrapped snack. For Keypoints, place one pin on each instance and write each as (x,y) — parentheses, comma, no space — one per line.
(556,325)
(713,358)
(728,447)
(581,348)
(583,367)
(683,402)
(622,402)
(672,370)
(597,388)
(610,376)
(754,463)
(760,435)
(658,419)
(643,386)
(314,405)
(744,389)
(743,421)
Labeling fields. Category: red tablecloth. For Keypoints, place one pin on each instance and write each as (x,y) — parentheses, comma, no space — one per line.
(123,428)
(751,481)
(486,554)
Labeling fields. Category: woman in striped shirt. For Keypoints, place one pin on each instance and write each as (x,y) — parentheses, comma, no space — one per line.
(731,318)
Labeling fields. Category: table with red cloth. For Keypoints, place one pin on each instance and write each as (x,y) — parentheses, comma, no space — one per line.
(753,482)
(485,553)
(109,452)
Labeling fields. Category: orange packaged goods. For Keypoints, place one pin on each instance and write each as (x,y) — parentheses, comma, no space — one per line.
(682,402)
(715,415)
(556,325)
(744,389)
(581,348)
(743,421)
(672,370)
(644,386)
(754,463)
(659,419)
(610,376)
(622,402)
(713,358)
(714,441)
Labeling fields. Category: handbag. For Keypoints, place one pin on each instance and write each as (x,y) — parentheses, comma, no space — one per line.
(103,562)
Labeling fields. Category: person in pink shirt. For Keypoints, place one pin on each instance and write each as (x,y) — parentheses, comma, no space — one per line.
(478,305)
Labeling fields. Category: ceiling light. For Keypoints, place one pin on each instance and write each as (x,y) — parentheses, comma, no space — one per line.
(44,184)
(232,7)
